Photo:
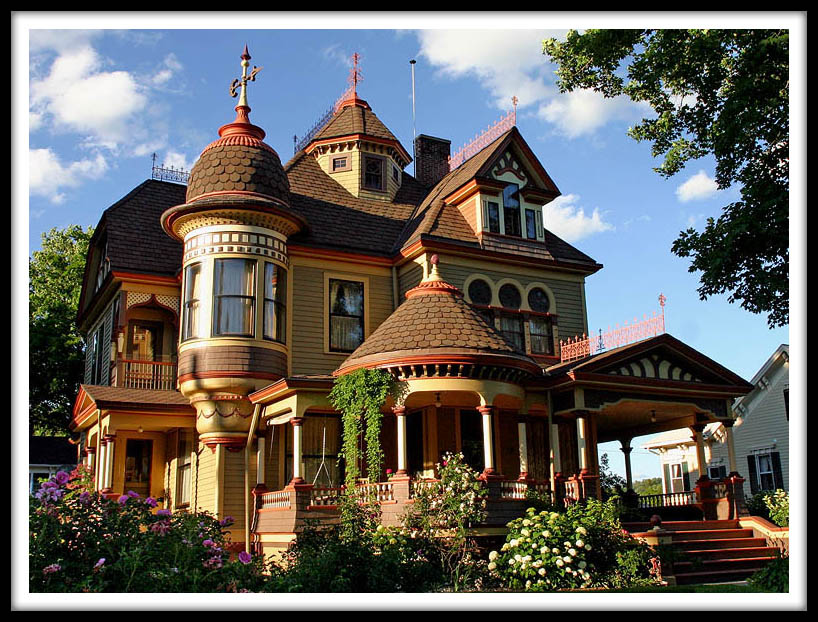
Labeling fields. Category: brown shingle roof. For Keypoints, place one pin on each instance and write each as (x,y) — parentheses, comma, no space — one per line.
(355,120)
(338,219)
(136,241)
(432,322)
(105,396)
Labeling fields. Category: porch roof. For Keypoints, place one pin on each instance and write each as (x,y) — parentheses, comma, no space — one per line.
(97,397)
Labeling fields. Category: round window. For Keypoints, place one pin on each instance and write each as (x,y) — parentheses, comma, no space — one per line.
(480,292)
(538,300)
(510,296)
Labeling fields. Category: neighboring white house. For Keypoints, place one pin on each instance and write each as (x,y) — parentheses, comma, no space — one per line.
(760,435)
(46,456)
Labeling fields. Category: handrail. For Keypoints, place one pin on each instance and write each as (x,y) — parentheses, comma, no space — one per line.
(671,499)
(159,375)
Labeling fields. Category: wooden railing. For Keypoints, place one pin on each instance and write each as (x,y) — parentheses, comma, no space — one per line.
(381,492)
(672,499)
(277,499)
(512,489)
(326,496)
(146,375)
(572,492)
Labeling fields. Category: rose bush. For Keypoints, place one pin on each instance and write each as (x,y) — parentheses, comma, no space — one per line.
(584,546)
(81,541)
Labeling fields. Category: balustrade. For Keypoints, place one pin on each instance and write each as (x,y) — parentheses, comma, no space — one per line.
(672,499)
(157,375)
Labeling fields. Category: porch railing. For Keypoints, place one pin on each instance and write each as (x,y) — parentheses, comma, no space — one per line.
(277,499)
(381,492)
(325,496)
(672,499)
(147,375)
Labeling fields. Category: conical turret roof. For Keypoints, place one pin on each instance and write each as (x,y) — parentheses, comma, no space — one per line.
(436,325)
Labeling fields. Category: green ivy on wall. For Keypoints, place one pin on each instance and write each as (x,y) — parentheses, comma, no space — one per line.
(359,396)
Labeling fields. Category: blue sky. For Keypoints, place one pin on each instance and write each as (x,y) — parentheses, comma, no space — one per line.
(101,101)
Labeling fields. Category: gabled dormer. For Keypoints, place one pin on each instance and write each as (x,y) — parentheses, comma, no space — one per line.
(358,151)
(502,191)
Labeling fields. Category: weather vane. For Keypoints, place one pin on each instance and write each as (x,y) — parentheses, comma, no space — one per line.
(245,63)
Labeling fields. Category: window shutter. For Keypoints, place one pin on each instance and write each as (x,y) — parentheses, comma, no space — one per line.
(686,476)
(538,214)
(485,215)
(668,485)
(778,477)
(751,469)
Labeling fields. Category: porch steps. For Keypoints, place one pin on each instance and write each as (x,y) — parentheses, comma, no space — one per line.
(714,551)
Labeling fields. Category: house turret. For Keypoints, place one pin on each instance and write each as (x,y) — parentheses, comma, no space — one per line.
(234,227)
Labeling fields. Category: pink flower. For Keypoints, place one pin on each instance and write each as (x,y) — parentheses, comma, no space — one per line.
(123,499)
(100,563)
(162,527)
(163,512)
(151,502)
(207,543)
(245,557)
(51,568)
(133,494)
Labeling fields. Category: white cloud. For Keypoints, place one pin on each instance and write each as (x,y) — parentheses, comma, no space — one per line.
(584,112)
(177,160)
(169,68)
(47,175)
(565,219)
(77,96)
(698,187)
(505,62)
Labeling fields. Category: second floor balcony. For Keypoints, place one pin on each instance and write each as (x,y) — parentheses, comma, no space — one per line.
(137,374)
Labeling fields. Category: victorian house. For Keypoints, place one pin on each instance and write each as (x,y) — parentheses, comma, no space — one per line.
(218,313)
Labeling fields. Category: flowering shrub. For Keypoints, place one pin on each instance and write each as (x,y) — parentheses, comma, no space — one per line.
(778,505)
(583,547)
(80,541)
(442,515)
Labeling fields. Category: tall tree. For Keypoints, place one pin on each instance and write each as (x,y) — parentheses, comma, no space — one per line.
(719,92)
(56,350)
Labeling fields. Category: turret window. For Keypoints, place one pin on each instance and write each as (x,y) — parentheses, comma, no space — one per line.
(275,297)
(192,301)
(233,297)
(373,173)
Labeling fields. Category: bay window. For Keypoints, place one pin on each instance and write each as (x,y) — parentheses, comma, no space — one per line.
(275,301)
(192,302)
(234,297)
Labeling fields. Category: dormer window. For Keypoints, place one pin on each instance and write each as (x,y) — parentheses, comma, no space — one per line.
(103,266)
(373,173)
(493,216)
(511,210)
(396,174)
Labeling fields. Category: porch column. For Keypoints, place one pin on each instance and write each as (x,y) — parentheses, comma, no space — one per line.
(108,473)
(488,440)
(298,477)
(582,443)
(400,417)
(261,472)
(627,449)
(90,454)
(523,442)
(700,459)
(731,449)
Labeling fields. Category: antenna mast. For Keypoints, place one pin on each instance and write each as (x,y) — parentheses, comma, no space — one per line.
(414,133)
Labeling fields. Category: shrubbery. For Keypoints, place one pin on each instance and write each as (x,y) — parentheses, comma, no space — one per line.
(771,505)
(584,546)
(81,541)
(774,577)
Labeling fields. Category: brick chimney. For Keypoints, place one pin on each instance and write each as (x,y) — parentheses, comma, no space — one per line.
(431,159)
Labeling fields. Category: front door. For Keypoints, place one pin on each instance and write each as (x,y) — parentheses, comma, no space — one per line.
(138,456)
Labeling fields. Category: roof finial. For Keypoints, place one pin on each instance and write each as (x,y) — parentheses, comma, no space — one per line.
(514,101)
(355,74)
(245,63)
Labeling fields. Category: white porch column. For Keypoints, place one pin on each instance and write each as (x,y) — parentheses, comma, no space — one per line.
(700,459)
(261,473)
(400,417)
(488,439)
(99,474)
(731,448)
(298,476)
(582,443)
(627,449)
(554,437)
(523,438)
(108,478)
(90,454)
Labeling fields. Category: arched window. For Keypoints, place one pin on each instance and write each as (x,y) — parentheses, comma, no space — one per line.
(511,324)
(539,326)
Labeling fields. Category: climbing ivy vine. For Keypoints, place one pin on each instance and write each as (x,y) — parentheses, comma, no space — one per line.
(359,396)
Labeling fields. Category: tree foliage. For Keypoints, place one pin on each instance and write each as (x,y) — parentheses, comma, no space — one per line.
(56,350)
(719,92)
